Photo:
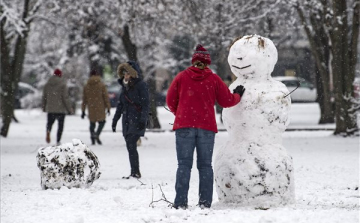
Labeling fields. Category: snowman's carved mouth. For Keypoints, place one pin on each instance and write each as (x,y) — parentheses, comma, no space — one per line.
(241,67)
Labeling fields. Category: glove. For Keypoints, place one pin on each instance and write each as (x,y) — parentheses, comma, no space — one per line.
(83,115)
(141,125)
(239,90)
(108,112)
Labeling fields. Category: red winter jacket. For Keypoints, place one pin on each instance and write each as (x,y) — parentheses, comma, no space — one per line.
(191,97)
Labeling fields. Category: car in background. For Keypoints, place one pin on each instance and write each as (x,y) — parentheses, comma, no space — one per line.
(113,89)
(27,96)
(306,92)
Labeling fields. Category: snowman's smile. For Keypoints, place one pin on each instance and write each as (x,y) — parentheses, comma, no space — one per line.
(241,67)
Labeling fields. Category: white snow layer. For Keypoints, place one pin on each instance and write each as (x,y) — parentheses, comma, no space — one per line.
(326,177)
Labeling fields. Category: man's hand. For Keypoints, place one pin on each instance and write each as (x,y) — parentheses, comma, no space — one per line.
(239,90)
(83,115)
(141,125)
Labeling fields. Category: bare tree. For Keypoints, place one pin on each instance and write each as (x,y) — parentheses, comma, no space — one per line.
(143,26)
(316,25)
(345,40)
(14,35)
(332,27)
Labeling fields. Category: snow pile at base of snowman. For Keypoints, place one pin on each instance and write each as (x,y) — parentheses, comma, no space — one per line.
(253,168)
(70,164)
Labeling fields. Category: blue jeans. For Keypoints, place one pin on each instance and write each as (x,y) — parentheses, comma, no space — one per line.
(187,140)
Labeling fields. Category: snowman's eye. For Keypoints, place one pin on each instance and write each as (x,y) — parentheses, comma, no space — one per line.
(240,58)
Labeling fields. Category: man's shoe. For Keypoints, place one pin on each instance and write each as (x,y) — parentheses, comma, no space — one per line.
(183,207)
(98,140)
(92,140)
(48,137)
(136,175)
(203,206)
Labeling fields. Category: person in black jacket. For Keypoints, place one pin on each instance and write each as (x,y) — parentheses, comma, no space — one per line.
(133,106)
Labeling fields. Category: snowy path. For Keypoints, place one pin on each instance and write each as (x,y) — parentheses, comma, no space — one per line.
(326,178)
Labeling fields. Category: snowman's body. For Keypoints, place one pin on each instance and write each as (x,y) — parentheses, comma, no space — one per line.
(253,168)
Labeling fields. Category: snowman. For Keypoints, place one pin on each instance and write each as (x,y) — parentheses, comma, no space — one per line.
(253,168)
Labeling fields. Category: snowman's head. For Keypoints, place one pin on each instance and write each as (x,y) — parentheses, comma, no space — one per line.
(252,57)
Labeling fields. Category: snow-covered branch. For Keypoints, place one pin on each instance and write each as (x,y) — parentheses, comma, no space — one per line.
(12,19)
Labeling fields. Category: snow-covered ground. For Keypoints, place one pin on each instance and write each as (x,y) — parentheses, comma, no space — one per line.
(326,177)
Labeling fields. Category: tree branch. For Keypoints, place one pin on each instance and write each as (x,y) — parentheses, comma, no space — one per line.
(170,204)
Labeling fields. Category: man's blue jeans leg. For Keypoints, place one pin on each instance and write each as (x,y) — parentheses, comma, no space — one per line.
(185,145)
(186,141)
(204,150)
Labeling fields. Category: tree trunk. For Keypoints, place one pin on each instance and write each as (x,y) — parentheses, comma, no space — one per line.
(319,45)
(224,72)
(152,88)
(342,66)
(5,80)
(131,51)
(130,48)
(325,103)
(11,71)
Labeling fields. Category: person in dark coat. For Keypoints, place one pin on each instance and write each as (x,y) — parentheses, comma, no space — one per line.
(56,102)
(133,106)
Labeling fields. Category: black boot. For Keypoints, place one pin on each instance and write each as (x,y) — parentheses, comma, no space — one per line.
(136,175)
(98,140)
(92,133)
(98,132)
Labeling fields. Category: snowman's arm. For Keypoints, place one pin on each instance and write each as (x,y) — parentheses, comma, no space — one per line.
(224,96)
(172,96)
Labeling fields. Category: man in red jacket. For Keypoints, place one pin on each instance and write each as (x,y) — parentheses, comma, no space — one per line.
(191,97)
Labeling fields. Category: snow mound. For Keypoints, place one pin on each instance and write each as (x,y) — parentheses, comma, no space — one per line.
(70,164)
(255,175)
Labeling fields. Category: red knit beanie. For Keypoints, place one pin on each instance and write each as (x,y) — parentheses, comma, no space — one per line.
(201,54)
(57,72)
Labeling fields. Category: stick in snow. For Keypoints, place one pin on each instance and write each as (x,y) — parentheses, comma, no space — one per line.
(170,204)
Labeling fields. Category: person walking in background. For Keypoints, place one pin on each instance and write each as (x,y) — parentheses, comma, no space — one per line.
(56,102)
(96,99)
(191,97)
(133,106)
